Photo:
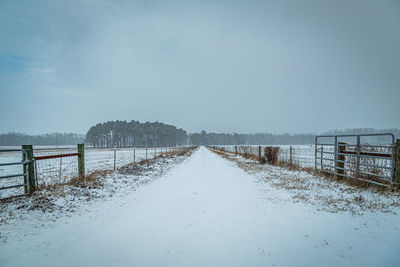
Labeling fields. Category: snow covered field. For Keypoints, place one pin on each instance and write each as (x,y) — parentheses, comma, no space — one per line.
(209,212)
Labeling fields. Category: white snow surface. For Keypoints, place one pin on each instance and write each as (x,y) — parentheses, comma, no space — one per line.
(207,212)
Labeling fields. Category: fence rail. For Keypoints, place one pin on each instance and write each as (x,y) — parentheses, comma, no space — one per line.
(57,156)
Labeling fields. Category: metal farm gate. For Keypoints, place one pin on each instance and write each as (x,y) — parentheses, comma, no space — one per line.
(29,171)
(25,171)
(366,157)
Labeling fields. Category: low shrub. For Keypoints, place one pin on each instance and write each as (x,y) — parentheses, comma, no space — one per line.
(271,154)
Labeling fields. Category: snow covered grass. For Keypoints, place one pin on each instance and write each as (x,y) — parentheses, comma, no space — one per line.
(326,192)
(57,200)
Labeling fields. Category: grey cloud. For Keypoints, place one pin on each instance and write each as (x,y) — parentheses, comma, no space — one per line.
(243,66)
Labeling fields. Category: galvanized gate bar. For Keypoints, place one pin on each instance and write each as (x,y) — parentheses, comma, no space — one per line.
(12,176)
(11,163)
(23,163)
(12,186)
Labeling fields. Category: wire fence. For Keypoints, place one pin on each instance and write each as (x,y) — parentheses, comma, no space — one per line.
(55,170)
(302,155)
(346,156)
(58,165)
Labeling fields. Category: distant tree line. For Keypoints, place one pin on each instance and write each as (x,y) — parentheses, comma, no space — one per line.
(205,138)
(53,139)
(135,134)
(371,140)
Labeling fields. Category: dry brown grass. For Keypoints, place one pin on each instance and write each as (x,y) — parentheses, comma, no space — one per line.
(92,180)
(138,168)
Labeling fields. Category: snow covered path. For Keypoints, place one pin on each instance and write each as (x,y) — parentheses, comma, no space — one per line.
(208,212)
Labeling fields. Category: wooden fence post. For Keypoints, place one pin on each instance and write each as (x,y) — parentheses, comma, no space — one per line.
(341,158)
(115,159)
(322,157)
(397,163)
(358,152)
(236,151)
(259,154)
(81,160)
(30,168)
(291,156)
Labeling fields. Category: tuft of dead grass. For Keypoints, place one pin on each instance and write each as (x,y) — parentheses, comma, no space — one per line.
(90,181)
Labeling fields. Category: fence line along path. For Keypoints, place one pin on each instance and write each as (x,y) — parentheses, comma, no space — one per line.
(48,166)
(372,158)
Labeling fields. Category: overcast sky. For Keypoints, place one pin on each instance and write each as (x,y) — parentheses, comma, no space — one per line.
(223,66)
